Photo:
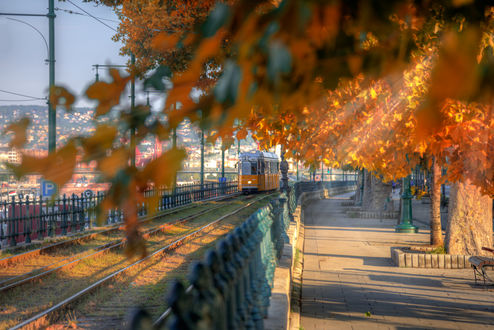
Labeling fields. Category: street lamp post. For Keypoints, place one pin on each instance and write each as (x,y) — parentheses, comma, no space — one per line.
(406,225)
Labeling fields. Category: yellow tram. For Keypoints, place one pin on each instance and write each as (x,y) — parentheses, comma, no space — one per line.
(258,171)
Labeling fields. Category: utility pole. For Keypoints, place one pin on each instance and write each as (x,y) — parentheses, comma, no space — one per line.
(202,159)
(132,106)
(222,162)
(97,74)
(52,113)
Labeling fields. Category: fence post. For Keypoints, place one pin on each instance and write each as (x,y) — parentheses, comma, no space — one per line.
(206,298)
(64,215)
(229,275)
(3,223)
(13,231)
(27,222)
(73,226)
(179,302)
(212,260)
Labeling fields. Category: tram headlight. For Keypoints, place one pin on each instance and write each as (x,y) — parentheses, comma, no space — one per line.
(249,182)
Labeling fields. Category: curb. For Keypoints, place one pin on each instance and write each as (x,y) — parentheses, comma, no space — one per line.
(427,260)
(280,314)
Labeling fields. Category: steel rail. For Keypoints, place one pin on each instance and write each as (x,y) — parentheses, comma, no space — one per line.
(92,287)
(112,228)
(73,260)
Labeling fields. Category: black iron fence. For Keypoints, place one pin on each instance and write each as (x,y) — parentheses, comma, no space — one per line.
(22,220)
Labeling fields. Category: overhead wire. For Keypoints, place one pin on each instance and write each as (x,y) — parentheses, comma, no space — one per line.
(22,95)
(96,18)
(82,14)
(21,100)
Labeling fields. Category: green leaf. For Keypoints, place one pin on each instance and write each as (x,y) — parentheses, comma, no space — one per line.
(227,87)
(156,79)
(279,61)
(216,19)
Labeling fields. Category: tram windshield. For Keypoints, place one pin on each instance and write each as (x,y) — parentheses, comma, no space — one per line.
(249,168)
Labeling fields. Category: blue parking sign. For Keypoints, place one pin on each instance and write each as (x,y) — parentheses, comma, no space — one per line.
(48,188)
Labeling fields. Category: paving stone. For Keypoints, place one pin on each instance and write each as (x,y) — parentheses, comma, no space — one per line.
(348,271)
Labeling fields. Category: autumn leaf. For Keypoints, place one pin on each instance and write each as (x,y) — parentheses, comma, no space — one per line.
(19,129)
(241,134)
(61,96)
(101,140)
(57,167)
(163,42)
(116,161)
(108,94)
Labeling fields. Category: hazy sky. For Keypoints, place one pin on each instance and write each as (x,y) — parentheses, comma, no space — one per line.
(80,42)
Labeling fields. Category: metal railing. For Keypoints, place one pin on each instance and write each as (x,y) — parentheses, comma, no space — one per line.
(22,220)
(230,288)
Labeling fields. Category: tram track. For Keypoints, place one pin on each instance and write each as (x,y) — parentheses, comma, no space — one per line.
(107,230)
(158,248)
(46,260)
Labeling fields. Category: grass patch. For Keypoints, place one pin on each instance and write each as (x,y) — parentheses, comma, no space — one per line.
(297,256)
(438,250)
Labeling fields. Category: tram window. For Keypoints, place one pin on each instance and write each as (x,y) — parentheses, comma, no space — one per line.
(246,168)
(262,167)
(253,168)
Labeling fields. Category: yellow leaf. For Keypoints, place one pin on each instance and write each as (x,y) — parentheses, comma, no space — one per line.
(373,93)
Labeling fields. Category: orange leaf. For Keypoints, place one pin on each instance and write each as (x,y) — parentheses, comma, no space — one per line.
(19,128)
(61,96)
(108,94)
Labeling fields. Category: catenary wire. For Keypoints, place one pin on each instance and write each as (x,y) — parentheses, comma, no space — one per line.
(108,26)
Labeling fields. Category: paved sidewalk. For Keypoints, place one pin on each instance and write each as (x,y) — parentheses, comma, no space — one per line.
(349,281)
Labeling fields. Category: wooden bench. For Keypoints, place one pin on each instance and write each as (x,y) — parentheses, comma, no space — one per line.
(479,265)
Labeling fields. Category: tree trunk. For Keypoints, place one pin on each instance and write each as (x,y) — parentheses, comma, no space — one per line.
(366,199)
(469,220)
(376,197)
(436,229)
(357,192)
